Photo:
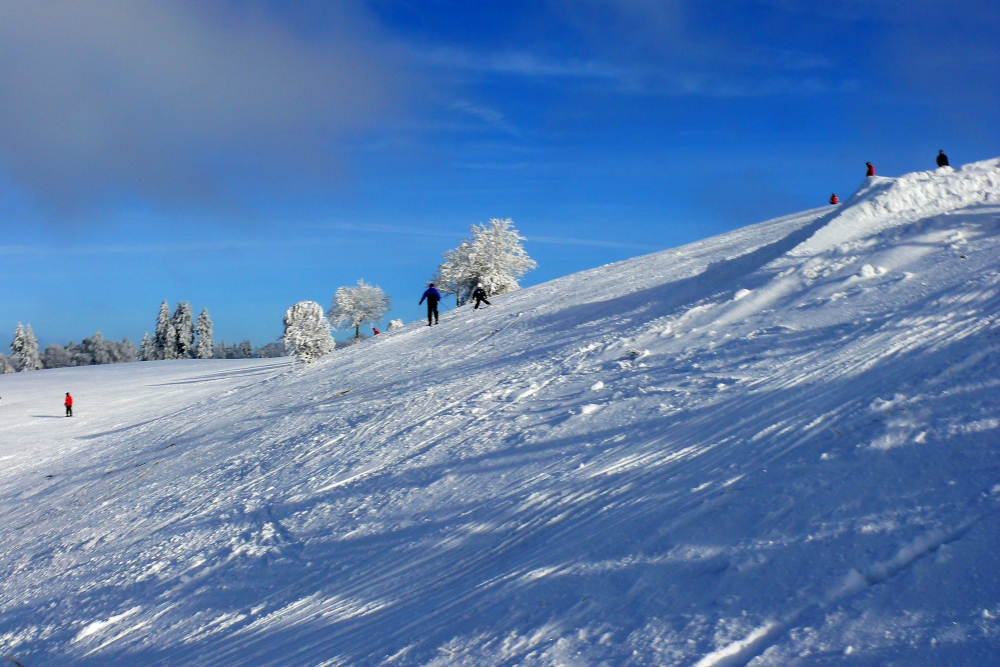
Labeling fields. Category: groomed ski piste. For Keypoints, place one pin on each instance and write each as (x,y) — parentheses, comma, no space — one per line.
(777,446)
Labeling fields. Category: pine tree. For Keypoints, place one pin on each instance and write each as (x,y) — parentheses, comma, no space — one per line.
(307,332)
(165,336)
(493,257)
(203,349)
(147,351)
(24,350)
(184,330)
(355,306)
(30,360)
(17,346)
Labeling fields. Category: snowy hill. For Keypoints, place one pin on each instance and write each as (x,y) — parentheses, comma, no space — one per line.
(777,446)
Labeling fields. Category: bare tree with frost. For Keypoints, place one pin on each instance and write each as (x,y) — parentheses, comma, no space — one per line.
(395,324)
(184,330)
(307,332)
(204,348)
(354,306)
(493,258)
(165,336)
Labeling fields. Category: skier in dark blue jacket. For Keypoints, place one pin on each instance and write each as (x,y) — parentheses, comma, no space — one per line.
(432,296)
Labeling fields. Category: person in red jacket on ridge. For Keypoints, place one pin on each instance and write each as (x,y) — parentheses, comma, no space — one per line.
(834,199)
(871,169)
(69,405)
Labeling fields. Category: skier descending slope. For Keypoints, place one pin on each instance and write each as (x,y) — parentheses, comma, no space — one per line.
(480,296)
(69,405)
(432,296)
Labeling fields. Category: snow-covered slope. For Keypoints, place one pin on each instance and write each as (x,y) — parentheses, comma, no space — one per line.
(777,447)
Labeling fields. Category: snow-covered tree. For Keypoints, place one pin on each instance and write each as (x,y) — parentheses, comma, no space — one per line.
(493,257)
(307,332)
(56,356)
(5,365)
(165,336)
(395,324)
(147,351)
(24,350)
(203,349)
(354,306)
(184,330)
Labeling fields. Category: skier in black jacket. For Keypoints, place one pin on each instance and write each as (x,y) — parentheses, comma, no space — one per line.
(480,296)
(432,296)
(942,159)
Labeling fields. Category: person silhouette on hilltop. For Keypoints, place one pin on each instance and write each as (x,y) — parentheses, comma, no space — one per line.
(432,296)
(834,199)
(942,159)
(871,170)
(69,405)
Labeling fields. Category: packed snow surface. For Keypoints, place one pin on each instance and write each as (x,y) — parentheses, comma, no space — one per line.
(778,446)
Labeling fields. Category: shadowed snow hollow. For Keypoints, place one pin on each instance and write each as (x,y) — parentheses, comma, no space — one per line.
(772,447)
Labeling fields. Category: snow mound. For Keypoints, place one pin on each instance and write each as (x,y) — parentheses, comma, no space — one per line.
(771,447)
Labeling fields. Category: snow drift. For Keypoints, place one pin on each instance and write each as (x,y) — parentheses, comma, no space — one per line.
(772,447)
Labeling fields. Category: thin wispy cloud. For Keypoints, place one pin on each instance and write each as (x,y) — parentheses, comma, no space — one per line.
(162,248)
(492,117)
(518,63)
(562,240)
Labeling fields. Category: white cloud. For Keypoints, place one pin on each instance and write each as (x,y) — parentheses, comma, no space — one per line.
(154,100)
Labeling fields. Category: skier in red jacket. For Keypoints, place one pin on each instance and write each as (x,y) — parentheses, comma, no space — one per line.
(834,199)
(871,169)
(69,405)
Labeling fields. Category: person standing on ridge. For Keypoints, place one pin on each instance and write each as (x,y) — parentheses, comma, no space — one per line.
(69,405)
(834,199)
(480,296)
(942,159)
(871,170)
(432,296)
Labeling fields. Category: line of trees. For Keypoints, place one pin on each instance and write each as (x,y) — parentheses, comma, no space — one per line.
(176,337)
(24,354)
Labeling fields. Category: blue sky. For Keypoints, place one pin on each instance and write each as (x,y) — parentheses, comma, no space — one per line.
(243,156)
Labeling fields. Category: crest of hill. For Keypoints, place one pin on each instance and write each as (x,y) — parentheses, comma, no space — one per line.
(775,446)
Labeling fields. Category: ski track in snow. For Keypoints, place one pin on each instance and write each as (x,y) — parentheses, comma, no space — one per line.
(772,447)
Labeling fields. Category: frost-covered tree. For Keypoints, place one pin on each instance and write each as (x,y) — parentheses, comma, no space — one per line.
(493,257)
(307,332)
(395,324)
(183,329)
(5,365)
(56,356)
(165,336)
(203,349)
(354,306)
(147,351)
(24,350)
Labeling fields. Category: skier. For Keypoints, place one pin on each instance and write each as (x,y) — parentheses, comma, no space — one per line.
(69,405)
(942,159)
(834,199)
(871,170)
(375,330)
(480,296)
(432,296)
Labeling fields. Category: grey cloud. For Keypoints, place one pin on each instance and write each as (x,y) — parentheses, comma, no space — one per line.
(165,101)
